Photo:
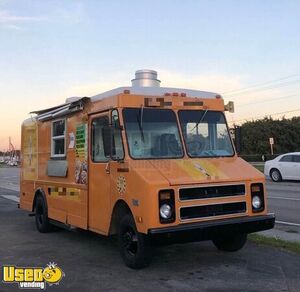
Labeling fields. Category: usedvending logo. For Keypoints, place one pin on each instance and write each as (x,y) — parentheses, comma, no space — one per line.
(32,277)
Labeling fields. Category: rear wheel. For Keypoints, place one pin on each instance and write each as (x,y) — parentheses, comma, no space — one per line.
(134,246)
(231,243)
(275,175)
(41,215)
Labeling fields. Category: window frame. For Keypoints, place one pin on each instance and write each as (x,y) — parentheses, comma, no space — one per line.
(64,136)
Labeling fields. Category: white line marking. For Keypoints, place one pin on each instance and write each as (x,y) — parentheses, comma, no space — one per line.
(11,197)
(283,198)
(287,223)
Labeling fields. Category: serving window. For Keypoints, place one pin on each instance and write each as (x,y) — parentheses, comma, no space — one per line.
(58,138)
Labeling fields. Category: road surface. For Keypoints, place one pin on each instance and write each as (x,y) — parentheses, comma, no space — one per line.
(284,201)
(92,263)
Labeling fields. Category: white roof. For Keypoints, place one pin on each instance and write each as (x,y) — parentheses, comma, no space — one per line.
(154,91)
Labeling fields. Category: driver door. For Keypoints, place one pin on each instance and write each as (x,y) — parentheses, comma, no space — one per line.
(99,177)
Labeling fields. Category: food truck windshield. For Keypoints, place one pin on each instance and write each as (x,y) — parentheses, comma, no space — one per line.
(154,133)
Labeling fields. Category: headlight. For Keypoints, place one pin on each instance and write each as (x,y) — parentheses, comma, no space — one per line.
(165,211)
(256,202)
(257,195)
(166,206)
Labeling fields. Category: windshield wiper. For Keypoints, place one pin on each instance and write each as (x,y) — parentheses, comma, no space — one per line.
(140,123)
(200,120)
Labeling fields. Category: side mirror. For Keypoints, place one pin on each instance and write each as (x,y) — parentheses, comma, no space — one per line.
(107,140)
(229,107)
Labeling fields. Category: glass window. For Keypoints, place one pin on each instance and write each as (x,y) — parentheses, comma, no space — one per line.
(286,158)
(296,158)
(152,133)
(117,151)
(205,133)
(58,139)
(97,139)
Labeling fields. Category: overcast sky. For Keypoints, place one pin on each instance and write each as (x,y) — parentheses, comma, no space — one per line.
(51,50)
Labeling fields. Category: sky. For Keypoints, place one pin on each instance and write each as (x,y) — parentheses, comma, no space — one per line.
(51,50)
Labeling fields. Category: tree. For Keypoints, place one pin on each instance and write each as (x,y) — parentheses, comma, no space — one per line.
(255,135)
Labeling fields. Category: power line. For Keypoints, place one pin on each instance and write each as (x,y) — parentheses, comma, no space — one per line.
(280,113)
(269,100)
(263,83)
(270,87)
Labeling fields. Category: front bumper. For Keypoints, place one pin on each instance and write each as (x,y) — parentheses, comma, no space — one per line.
(211,229)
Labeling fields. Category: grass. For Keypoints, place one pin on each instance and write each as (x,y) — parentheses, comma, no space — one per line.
(259,167)
(276,242)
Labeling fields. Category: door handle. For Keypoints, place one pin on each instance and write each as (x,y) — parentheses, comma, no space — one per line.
(107,168)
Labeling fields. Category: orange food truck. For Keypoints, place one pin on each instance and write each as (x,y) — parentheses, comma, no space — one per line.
(149,164)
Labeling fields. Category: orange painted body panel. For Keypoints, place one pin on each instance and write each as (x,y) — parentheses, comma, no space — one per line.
(90,205)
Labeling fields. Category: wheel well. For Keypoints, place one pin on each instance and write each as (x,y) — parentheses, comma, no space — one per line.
(39,192)
(120,209)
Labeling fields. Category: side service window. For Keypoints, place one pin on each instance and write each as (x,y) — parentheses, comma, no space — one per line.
(58,138)
(98,124)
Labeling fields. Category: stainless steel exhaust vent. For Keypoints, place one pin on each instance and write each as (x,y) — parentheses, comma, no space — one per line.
(145,78)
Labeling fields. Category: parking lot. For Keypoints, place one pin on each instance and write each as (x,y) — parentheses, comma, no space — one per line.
(92,263)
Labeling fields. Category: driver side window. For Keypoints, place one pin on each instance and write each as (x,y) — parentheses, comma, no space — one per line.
(98,153)
(117,151)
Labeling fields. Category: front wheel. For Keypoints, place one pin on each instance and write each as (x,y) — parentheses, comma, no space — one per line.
(41,216)
(231,243)
(275,175)
(134,246)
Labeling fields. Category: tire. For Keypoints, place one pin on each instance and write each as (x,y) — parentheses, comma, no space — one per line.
(275,175)
(231,243)
(41,216)
(134,246)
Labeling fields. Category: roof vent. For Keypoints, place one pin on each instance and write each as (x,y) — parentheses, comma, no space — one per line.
(145,78)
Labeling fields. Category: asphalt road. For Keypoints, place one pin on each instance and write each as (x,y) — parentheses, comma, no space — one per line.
(9,178)
(284,201)
(92,263)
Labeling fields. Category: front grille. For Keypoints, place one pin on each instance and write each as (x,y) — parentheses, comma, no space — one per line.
(212,210)
(211,192)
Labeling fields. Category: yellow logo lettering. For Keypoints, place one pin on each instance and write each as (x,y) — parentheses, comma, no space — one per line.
(19,275)
(8,274)
(38,275)
(28,275)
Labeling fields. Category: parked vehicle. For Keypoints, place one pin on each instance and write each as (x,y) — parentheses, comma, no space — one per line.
(284,167)
(145,162)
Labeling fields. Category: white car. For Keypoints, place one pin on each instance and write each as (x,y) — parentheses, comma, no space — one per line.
(285,166)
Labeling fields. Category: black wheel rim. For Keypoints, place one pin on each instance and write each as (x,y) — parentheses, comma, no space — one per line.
(130,241)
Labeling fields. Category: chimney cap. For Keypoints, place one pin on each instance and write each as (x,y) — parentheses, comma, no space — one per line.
(145,78)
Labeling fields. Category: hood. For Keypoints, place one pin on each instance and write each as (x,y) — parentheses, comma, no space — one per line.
(205,170)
